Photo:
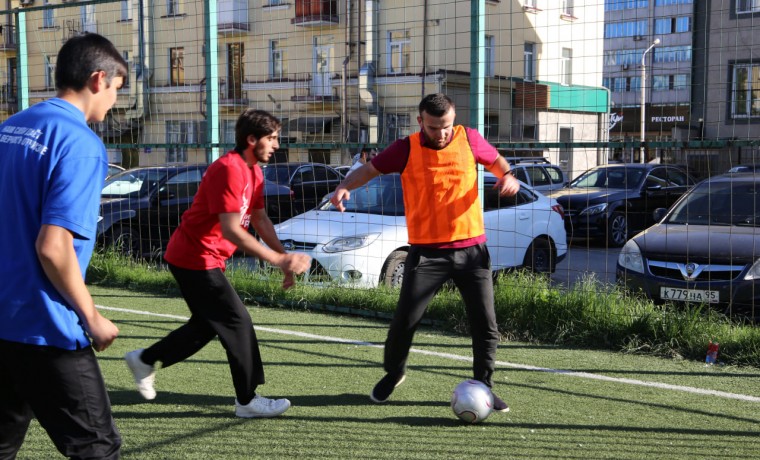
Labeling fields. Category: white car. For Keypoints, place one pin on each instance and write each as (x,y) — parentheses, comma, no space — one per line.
(367,244)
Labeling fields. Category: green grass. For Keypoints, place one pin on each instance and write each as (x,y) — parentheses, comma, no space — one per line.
(553,415)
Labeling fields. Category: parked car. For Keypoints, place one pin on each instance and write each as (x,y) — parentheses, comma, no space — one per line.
(113,169)
(539,173)
(743,168)
(614,201)
(706,248)
(141,207)
(367,244)
(308,181)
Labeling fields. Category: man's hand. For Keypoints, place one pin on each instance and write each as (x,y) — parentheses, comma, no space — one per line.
(507,185)
(337,198)
(294,263)
(102,332)
(289,281)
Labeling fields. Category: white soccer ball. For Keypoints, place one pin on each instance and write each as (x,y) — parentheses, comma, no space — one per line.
(472,401)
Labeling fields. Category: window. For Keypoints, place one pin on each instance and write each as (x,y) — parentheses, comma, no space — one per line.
(396,126)
(177,66)
(672,25)
(491,126)
(625,29)
(126,10)
(616,5)
(745,100)
(567,7)
(747,6)
(125,55)
(49,73)
(276,61)
(566,68)
(181,133)
(183,185)
(670,82)
(172,7)
(228,131)
(490,51)
(530,4)
(673,2)
(48,16)
(529,62)
(399,47)
(673,54)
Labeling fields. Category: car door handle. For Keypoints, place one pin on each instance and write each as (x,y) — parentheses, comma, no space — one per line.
(523,215)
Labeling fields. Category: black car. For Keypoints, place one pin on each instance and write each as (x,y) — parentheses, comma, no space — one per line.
(706,249)
(141,207)
(310,182)
(613,201)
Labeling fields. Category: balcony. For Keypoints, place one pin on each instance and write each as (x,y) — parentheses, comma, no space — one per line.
(232,16)
(232,97)
(7,38)
(315,13)
(316,88)
(8,98)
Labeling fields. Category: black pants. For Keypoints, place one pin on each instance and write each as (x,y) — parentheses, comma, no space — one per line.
(425,271)
(216,311)
(65,391)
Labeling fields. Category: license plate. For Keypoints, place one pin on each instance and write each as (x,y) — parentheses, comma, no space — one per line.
(689,295)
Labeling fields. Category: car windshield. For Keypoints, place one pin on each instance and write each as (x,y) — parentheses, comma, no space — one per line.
(618,177)
(279,174)
(382,195)
(719,203)
(132,183)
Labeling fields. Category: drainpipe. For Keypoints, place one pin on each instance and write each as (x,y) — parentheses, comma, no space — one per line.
(344,75)
(424,44)
(367,93)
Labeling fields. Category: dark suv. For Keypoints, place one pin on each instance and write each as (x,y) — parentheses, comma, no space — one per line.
(614,201)
(141,207)
(310,182)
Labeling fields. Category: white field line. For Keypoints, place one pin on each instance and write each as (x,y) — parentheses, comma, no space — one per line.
(585,375)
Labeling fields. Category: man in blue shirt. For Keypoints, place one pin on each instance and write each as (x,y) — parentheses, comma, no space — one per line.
(52,167)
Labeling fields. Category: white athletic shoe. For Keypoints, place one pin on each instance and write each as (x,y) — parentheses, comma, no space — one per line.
(144,374)
(261,407)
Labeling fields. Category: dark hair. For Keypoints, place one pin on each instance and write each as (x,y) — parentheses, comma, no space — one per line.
(436,104)
(258,123)
(84,54)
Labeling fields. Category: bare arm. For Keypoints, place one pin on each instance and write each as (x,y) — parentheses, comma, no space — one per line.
(354,180)
(55,250)
(507,184)
(239,236)
(264,227)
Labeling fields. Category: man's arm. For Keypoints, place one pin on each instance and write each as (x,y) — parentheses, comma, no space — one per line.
(265,229)
(239,236)
(55,250)
(507,184)
(354,180)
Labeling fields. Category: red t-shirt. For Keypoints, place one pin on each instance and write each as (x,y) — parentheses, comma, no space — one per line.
(229,185)
(395,156)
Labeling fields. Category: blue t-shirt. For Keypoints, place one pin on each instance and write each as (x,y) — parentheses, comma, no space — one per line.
(52,168)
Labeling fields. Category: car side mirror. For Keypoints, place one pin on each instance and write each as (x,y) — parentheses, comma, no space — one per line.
(659,213)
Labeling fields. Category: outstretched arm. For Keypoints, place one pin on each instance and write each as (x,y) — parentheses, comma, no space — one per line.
(354,180)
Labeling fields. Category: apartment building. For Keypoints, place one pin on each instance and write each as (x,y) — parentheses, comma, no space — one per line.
(338,73)
(726,86)
(648,53)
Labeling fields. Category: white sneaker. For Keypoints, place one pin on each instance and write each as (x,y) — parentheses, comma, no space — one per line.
(144,374)
(261,407)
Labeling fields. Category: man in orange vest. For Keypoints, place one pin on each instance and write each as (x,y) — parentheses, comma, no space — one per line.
(446,232)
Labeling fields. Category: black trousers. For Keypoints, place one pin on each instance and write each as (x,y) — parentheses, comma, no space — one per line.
(65,391)
(425,271)
(216,311)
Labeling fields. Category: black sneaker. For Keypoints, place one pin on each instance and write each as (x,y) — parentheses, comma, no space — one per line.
(385,387)
(499,405)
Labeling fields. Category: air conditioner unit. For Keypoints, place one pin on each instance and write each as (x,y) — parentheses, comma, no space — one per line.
(26,2)
(638,38)
(624,66)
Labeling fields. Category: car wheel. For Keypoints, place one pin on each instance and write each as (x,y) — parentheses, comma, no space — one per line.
(617,230)
(126,240)
(393,269)
(539,258)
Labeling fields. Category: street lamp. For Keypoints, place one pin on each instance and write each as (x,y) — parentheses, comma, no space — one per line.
(644,94)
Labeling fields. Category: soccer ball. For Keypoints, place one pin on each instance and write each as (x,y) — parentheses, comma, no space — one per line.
(472,401)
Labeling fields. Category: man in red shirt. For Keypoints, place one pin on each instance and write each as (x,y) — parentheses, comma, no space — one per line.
(229,199)
(447,238)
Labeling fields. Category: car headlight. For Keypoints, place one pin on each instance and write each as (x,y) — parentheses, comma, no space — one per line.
(593,210)
(349,243)
(754,271)
(630,257)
